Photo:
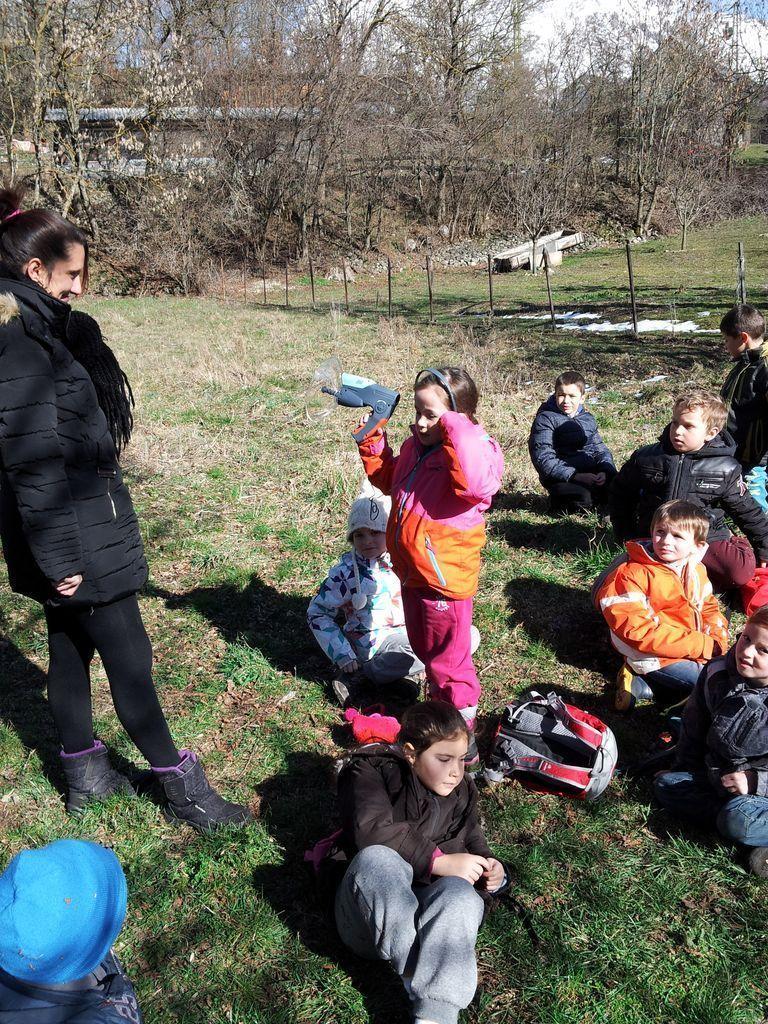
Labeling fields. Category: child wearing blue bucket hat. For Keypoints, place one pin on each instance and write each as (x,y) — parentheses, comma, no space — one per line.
(61,909)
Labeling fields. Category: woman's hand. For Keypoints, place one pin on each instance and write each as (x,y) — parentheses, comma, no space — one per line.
(493,876)
(68,586)
(738,783)
(469,866)
(350,666)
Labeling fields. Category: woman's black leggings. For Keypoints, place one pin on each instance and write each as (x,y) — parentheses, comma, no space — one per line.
(116,631)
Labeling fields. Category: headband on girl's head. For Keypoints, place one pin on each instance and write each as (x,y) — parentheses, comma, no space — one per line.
(443,380)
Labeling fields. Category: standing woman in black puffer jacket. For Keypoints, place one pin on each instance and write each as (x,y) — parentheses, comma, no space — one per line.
(69,532)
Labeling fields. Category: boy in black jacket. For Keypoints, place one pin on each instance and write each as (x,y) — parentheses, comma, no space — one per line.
(693,460)
(745,393)
(720,768)
(573,462)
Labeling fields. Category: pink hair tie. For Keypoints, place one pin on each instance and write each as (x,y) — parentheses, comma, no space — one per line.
(10,216)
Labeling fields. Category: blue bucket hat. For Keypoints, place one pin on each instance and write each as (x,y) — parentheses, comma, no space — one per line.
(61,909)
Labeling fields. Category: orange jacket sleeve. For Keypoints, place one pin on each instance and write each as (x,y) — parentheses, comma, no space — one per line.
(378,460)
(715,623)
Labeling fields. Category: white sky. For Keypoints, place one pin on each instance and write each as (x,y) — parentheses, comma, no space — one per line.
(546,23)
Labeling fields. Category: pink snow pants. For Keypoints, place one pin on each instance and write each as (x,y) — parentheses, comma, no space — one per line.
(439,631)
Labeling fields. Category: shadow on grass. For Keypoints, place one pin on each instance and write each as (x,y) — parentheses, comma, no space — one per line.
(562,618)
(518,501)
(265,618)
(24,707)
(296,806)
(559,535)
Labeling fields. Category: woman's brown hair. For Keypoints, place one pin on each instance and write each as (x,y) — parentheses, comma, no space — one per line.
(35,234)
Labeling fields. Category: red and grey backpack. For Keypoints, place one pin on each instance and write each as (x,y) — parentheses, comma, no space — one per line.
(553,747)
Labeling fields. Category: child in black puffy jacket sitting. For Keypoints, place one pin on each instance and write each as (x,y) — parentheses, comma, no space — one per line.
(720,770)
(693,461)
(572,460)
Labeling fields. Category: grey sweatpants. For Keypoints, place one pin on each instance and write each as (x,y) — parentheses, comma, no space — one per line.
(393,660)
(427,933)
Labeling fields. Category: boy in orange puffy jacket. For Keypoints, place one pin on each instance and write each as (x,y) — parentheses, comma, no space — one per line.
(659,605)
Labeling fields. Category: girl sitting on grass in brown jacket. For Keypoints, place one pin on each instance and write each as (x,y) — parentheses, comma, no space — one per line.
(414,893)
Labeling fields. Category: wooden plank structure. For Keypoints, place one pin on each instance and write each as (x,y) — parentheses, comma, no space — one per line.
(530,256)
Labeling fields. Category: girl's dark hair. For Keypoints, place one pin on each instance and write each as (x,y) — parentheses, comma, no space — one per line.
(36,233)
(429,722)
(463,387)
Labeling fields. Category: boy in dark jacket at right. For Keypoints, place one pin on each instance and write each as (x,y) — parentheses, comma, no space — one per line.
(693,461)
(745,393)
(572,460)
(720,768)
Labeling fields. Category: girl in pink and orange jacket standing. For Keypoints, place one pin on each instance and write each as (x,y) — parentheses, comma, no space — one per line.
(441,483)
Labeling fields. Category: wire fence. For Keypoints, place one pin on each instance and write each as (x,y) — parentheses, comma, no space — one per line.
(426,296)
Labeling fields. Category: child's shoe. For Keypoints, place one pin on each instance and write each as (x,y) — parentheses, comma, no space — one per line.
(758,861)
(353,689)
(630,689)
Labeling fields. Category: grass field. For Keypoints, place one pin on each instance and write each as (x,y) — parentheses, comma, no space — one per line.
(632,918)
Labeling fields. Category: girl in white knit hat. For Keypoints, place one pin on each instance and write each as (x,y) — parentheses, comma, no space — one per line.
(362,589)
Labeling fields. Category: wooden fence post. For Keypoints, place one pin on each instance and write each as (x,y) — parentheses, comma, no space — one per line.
(490,286)
(223,282)
(632,288)
(245,277)
(741,284)
(346,287)
(264,281)
(286,284)
(547,269)
(312,280)
(389,288)
(429,290)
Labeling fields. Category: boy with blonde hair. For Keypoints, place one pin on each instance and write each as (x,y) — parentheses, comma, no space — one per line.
(659,605)
(745,393)
(693,460)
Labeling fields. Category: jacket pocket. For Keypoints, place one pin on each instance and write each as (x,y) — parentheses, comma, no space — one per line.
(433,559)
(652,477)
(708,484)
(110,476)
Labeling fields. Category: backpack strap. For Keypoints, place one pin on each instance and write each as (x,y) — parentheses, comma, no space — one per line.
(569,775)
(579,727)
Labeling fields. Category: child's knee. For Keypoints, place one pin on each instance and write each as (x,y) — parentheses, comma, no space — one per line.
(374,861)
(735,819)
(462,897)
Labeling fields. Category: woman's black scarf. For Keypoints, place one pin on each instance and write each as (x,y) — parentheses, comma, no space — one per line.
(82,336)
(113,389)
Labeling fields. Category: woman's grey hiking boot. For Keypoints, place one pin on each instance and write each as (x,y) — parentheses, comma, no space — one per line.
(189,797)
(90,776)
